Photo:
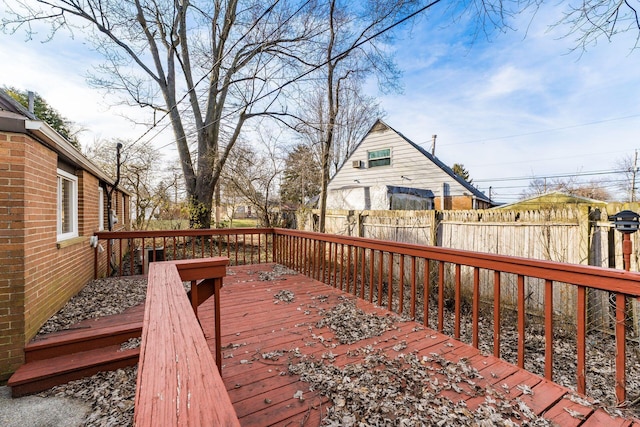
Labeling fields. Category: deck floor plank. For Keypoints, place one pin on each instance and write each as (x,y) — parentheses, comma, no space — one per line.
(262,390)
(252,320)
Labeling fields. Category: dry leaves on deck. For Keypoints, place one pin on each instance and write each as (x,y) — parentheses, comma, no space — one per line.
(409,390)
(351,324)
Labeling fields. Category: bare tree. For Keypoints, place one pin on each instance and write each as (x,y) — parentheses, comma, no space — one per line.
(349,51)
(593,19)
(232,59)
(629,167)
(356,114)
(227,58)
(352,48)
(143,175)
(253,174)
(592,189)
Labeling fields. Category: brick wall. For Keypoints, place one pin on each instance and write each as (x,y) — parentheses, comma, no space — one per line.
(57,271)
(458,203)
(12,247)
(38,274)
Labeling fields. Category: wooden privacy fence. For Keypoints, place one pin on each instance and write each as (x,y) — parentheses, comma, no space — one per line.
(415,280)
(577,234)
(571,233)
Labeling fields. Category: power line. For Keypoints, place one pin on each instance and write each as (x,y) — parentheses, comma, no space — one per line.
(300,76)
(205,75)
(538,132)
(563,175)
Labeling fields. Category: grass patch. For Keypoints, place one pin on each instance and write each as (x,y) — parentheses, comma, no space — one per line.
(183,224)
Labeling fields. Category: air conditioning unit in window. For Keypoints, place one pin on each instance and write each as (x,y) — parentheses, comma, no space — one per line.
(357,164)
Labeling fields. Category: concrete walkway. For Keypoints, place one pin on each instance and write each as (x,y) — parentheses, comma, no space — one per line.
(34,411)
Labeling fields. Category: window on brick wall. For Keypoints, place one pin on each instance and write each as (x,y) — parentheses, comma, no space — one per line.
(100,209)
(67,205)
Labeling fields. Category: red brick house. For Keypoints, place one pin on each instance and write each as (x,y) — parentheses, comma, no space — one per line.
(52,200)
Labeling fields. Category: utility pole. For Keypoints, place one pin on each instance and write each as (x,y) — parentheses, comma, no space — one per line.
(633,177)
(433,145)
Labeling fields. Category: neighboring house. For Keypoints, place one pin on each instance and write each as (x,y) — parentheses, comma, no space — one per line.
(554,199)
(388,171)
(52,200)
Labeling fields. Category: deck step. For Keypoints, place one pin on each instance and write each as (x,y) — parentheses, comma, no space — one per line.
(41,375)
(78,340)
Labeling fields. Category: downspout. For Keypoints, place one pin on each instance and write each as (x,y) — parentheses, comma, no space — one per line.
(110,217)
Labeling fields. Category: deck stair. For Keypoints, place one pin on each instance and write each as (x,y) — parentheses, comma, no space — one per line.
(90,347)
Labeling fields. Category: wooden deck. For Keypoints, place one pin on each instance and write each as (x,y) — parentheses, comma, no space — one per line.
(262,390)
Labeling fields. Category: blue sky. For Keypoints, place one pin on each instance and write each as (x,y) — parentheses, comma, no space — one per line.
(520,104)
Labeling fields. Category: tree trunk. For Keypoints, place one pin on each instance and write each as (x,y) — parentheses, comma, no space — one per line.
(328,143)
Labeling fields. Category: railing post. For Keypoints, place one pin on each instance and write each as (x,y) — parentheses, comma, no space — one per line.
(457,297)
(476,307)
(621,392)
(274,246)
(109,257)
(496,314)
(581,341)
(521,321)
(217,284)
(441,296)
(390,286)
(548,330)
(425,292)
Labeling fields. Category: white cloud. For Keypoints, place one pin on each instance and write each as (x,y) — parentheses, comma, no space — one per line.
(519,106)
(509,80)
(56,71)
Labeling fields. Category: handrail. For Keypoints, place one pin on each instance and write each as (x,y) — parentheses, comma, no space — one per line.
(134,234)
(606,279)
(178,383)
(396,275)
(361,262)
(129,252)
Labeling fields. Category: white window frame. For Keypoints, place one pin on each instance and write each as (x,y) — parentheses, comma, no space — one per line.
(100,209)
(66,176)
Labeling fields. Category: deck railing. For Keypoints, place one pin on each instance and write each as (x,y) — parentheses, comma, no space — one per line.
(178,383)
(128,253)
(416,280)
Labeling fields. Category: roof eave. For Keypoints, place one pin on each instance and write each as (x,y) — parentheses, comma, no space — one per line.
(44,131)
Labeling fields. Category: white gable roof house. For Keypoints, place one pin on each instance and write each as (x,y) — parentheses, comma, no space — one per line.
(387,171)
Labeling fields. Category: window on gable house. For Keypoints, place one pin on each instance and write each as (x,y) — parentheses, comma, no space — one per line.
(67,205)
(379,157)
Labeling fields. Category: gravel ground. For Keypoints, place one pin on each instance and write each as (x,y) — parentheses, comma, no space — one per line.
(102,297)
(111,394)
